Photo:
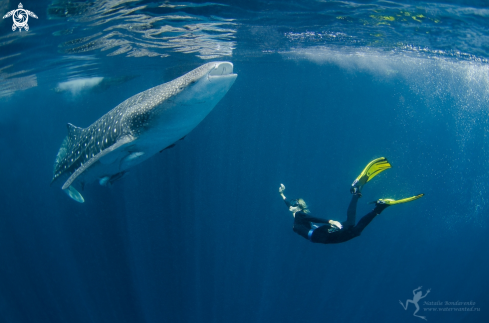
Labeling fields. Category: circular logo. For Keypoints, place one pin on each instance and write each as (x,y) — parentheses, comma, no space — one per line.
(20,17)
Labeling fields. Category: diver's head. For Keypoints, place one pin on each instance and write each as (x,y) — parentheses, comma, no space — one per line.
(298,205)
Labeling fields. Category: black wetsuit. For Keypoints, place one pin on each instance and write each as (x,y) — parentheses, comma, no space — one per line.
(324,234)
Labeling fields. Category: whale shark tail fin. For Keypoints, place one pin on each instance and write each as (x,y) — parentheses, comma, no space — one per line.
(61,153)
(74,194)
(74,132)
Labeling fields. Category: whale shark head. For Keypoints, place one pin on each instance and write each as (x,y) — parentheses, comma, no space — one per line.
(141,126)
(176,107)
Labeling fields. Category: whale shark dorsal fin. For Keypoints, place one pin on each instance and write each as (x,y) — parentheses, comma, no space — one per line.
(74,131)
(119,143)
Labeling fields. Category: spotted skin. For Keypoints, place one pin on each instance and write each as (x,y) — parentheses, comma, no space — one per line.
(141,125)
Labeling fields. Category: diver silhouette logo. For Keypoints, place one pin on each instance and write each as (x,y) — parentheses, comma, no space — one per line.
(416,297)
(20,17)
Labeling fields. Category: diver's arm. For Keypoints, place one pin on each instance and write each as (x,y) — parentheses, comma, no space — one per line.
(335,223)
(319,220)
(281,190)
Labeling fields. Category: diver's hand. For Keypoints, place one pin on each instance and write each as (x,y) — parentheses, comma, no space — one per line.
(336,224)
(281,188)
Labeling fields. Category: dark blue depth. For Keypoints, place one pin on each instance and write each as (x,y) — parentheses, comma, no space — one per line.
(199,233)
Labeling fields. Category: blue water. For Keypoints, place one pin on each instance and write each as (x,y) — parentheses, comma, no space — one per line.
(199,232)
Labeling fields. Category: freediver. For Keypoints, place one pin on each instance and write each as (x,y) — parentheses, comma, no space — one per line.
(319,230)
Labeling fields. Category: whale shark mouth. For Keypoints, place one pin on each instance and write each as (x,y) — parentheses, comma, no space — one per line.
(222,69)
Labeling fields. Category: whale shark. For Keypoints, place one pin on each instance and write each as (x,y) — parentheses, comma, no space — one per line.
(138,128)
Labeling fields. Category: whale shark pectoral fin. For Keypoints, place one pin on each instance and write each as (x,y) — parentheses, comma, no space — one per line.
(74,194)
(121,142)
(104,181)
(109,180)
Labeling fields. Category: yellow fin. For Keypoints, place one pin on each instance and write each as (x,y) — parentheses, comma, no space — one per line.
(392,202)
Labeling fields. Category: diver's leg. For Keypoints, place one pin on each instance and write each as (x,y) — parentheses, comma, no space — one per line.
(351,212)
(367,219)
